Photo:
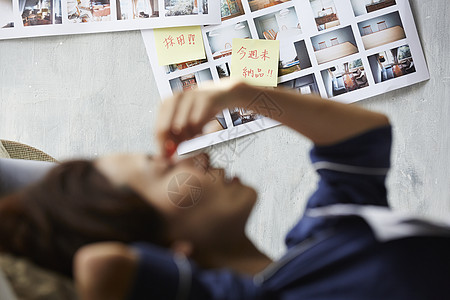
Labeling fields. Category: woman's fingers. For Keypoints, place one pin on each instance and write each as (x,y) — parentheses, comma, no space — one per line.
(164,135)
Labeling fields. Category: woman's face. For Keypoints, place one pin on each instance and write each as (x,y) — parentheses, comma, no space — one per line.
(199,203)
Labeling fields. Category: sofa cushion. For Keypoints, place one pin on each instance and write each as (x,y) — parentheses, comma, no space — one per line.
(17,173)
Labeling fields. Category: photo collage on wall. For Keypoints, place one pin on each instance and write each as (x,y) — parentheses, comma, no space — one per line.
(344,50)
(27,18)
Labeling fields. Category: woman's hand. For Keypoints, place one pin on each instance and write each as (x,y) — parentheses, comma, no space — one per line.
(184,115)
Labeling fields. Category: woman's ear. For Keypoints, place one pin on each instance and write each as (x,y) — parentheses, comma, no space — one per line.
(182,246)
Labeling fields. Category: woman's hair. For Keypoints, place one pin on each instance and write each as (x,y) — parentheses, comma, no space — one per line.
(72,206)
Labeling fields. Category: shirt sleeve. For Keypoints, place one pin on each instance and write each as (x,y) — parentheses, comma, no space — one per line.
(163,275)
(351,172)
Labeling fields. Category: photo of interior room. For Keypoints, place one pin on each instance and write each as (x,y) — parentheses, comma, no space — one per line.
(241,116)
(184,65)
(230,9)
(293,57)
(304,85)
(221,39)
(391,64)
(185,7)
(136,9)
(280,25)
(325,14)
(190,81)
(334,44)
(260,4)
(361,7)
(223,70)
(6,14)
(382,30)
(83,11)
(40,12)
(344,78)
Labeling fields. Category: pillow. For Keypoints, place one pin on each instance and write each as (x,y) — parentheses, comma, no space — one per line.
(30,282)
(3,152)
(17,173)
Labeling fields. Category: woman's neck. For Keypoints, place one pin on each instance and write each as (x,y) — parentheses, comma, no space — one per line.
(242,257)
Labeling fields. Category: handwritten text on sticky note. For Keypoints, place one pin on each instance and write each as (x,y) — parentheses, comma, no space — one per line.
(255,61)
(179,44)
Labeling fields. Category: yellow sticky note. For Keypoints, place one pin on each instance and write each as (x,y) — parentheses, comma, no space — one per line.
(255,61)
(179,44)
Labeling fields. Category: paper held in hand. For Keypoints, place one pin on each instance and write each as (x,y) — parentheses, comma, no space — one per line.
(255,61)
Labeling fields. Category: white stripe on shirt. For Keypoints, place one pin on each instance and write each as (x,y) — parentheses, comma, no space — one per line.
(349,169)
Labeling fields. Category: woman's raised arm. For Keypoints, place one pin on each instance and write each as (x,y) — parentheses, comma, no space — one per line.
(323,121)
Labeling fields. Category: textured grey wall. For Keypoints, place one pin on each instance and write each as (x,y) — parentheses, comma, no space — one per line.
(88,95)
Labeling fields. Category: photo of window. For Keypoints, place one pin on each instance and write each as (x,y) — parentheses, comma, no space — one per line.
(341,79)
(382,30)
(221,39)
(391,64)
(184,65)
(334,44)
(325,14)
(185,7)
(137,9)
(83,11)
(230,9)
(260,4)
(223,70)
(280,25)
(361,7)
(190,81)
(293,57)
(304,85)
(41,12)
(6,14)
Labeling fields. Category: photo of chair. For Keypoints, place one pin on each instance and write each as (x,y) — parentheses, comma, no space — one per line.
(342,43)
(367,30)
(387,29)
(345,78)
(392,64)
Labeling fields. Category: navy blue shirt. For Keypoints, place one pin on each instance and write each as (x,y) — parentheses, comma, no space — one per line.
(327,258)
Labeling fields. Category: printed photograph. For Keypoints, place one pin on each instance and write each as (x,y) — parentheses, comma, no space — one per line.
(223,70)
(344,78)
(241,116)
(6,14)
(260,4)
(392,63)
(325,14)
(137,9)
(221,39)
(361,7)
(381,30)
(304,85)
(83,11)
(184,65)
(185,7)
(280,25)
(230,9)
(40,12)
(334,44)
(190,81)
(293,57)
